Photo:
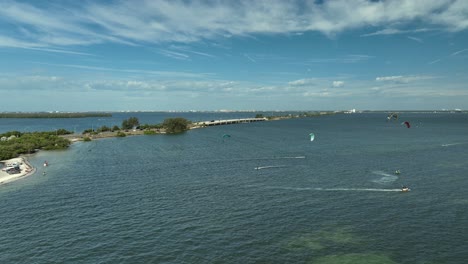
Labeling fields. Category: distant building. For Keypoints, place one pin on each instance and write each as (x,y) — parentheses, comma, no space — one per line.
(352,111)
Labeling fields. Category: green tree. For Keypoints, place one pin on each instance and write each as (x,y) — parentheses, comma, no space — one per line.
(125,124)
(176,125)
(103,129)
(63,132)
(130,123)
(29,142)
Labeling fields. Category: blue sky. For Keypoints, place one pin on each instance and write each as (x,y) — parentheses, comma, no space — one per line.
(233,55)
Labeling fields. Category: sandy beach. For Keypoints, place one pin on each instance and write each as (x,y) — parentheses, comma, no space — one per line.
(25,167)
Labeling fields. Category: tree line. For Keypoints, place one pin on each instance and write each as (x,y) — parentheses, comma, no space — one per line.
(15,143)
(53,115)
(170,125)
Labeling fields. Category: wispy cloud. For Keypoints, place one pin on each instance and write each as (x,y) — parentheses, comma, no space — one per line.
(56,83)
(351,58)
(458,52)
(394,31)
(403,79)
(139,22)
(174,55)
(188,49)
(415,39)
(249,58)
(162,74)
(454,54)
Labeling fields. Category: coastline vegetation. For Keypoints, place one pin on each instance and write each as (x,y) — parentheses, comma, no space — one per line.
(53,115)
(132,126)
(15,143)
(130,123)
(176,125)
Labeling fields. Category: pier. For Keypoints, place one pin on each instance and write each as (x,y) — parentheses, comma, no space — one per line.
(229,121)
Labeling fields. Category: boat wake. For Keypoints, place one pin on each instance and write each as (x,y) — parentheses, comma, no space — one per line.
(331,189)
(269,167)
(386,177)
(279,158)
(452,144)
(359,189)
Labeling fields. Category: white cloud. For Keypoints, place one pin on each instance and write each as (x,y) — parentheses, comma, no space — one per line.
(141,22)
(387,31)
(389,78)
(302,82)
(404,79)
(453,16)
(337,84)
(152,90)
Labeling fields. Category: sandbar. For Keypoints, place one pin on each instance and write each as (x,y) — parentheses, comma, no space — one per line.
(25,170)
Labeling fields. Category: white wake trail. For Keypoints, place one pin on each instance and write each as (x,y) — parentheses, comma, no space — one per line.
(331,189)
(269,167)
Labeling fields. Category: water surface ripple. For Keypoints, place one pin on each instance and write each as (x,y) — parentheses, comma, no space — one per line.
(196,198)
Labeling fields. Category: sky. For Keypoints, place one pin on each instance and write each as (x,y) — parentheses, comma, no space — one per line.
(182,55)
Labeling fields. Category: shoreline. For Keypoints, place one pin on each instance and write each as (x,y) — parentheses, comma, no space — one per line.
(26,169)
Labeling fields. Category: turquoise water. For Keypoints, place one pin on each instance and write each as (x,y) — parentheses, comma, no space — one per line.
(265,195)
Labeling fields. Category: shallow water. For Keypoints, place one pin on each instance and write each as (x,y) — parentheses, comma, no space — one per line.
(198,198)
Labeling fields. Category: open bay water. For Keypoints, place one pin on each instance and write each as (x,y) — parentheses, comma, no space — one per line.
(197,197)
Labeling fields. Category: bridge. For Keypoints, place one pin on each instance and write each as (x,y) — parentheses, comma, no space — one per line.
(229,121)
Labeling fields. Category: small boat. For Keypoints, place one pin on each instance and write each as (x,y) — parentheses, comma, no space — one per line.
(405,189)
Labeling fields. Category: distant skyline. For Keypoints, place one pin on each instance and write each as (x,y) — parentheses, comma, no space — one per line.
(233,55)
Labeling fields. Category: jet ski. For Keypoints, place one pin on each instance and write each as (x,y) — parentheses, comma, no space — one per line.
(405,189)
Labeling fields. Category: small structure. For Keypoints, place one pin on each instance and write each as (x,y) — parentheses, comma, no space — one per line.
(13,170)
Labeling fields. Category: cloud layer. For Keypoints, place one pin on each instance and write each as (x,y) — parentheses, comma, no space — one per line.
(40,24)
